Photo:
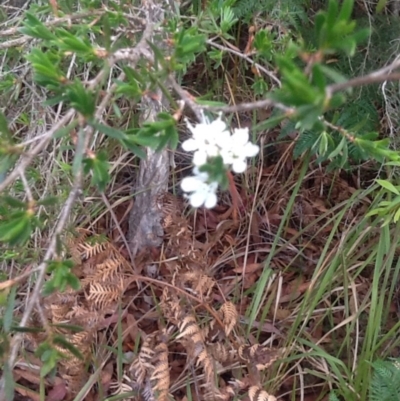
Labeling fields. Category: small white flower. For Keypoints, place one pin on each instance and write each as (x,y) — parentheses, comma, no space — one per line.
(212,139)
(238,149)
(207,140)
(201,191)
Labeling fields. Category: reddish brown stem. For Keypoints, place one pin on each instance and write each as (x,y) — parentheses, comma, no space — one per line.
(235,196)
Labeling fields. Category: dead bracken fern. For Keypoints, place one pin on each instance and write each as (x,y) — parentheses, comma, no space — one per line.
(102,271)
(206,342)
(229,316)
(258,394)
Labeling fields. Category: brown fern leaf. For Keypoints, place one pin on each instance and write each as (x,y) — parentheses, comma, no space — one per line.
(91,250)
(258,355)
(59,313)
(206,361)
(109,267)
(199,282)
(230,316)
(104,294)
(160,377)
(189,328)
(57,305)
(258,394)
(73,242)
(221,353)
(75,382)
(170,307)
(81,316)
(142,365)
(72,365)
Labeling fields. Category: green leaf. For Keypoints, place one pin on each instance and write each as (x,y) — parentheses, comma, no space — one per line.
(131,144)
(211,103)
(99,166)
(269,123)
(16,229)
(65,131)
(5,133)
(71,327)
(61,277)
(338,149)
(389,186)
(109,131)
(48,201)
(50,362)
(46,71)
(396,216)
(9,384)
(345,12)
(71,43)
(9,312)
(80,98)
(35,28)
(13,202)
(380,6)
(60,340)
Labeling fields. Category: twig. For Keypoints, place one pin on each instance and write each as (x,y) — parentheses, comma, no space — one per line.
(247,58)
(250,106)
(26,186)
(26,159)
(365,80)
(53,22)
(133,54)
(64,216)
(186,97)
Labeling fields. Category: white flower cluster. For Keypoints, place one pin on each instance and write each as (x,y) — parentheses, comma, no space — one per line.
(212,139)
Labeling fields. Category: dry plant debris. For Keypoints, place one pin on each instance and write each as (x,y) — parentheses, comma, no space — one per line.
(179,314)
(106,280)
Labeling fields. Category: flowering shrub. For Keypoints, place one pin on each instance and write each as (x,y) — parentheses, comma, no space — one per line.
(209,141)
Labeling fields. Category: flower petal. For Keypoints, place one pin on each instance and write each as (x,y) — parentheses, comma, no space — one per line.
(239,166)
(200,158)
(217,126)
(190,184)
(250,150)
(197,198)
(240,136)
(227,156)
(190,145)
(200,175)
(223,139)
(211,200)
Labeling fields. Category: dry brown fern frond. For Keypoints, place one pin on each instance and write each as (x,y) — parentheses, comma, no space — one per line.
(170,206)
(103,294)
(258,394)
(143,365)
(200,283)
(114,265)
(73,242)
(160,377)
(91,250)
(170,307)
(74,382)
(207,362)
(230,316)
(59,313)
(73,369)
(221,353)
(260,356)
(189,328)
(58,305)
